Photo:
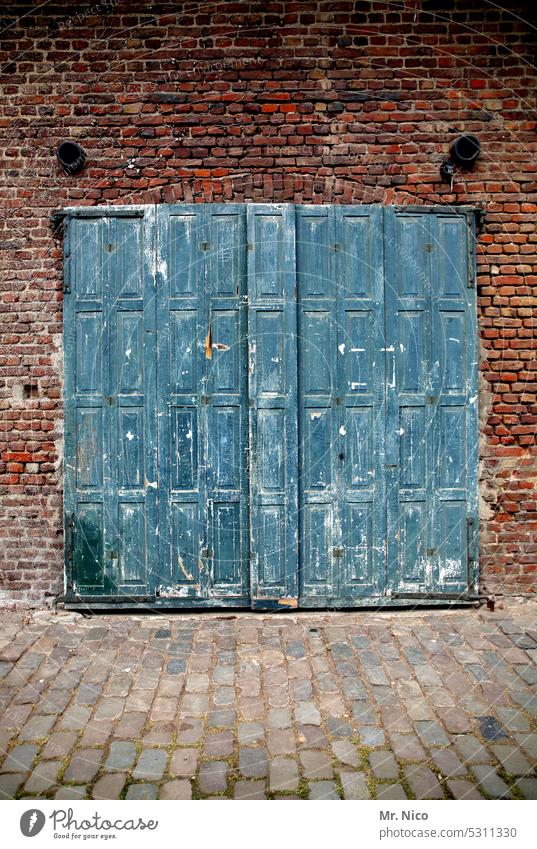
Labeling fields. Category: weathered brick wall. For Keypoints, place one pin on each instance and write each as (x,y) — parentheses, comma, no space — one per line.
(308,102)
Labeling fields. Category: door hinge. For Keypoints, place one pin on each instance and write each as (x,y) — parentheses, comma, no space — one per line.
(69,537)
(110,247)
(338,551)
(204,246)
(428,248)
(430,399)
(110,399)
(206,552)
(336,247)
(431,552)
(112,555)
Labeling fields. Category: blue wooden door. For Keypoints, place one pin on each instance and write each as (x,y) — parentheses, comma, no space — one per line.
(431,425)
(202,405)
(110,461)
(342,403)
(270,405)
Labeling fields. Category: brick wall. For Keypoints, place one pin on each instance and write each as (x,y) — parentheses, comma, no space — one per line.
(307,102)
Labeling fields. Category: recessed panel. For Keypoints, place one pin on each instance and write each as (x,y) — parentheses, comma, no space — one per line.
(270,352)
(127,280)
(452,352)
(317,448)
(360,439)
(186,544)
(453,554)
(226,244)
(357,543)
(452,460)
(130,448)
(88,545)
(413,260)
(412,447)
(271,545)
(185,261)
(357,257)
(316,343)
(269,256)
(88,352)
(412,354)
(313,250)
(87,257)
(184,449)
(271,448)
(451,256)
(89,448)
(183,346)
(130,352)
(317,544)
(358,350)
(132,551)
(225,455)
(412,543)
(224,367)
(226,542)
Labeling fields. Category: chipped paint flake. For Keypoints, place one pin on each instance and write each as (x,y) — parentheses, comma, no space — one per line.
(129,436)
(342,348)
(343,431)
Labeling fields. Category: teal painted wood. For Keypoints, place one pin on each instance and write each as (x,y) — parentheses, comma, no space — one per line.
(273,403)
(341,390)
(431,423)
(380,374)
(202,409)
(109,400)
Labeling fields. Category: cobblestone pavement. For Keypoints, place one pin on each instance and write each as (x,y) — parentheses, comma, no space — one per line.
(350,705)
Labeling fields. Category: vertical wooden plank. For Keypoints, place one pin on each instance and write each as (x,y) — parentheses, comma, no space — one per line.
(360,412)
(227,391)
(272,330)
(454,370)
(86,453)
(183,563)
(409,416)
(319,525)
(431,427)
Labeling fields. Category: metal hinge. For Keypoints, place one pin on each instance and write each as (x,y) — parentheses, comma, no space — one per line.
(338,552)
(69,537)
(204,246)
(336,247)
(110,247)
(430,399)
(428,248)
(112,555)
(431,552)
(206,552)
(480,220)
(110,399)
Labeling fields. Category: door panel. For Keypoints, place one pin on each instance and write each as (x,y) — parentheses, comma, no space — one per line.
(341,391)
(109,402)
(273,405)
(431,425)
(202,411)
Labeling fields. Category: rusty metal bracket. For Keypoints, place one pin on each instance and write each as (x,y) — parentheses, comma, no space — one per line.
(56,222)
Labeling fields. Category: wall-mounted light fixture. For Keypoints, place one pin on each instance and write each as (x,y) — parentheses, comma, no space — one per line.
(71,156)
(463,152)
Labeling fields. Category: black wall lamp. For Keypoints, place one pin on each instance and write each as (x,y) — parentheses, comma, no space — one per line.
(71,156)
(463,152)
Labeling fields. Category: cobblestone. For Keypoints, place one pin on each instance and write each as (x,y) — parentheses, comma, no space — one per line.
(259,706)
